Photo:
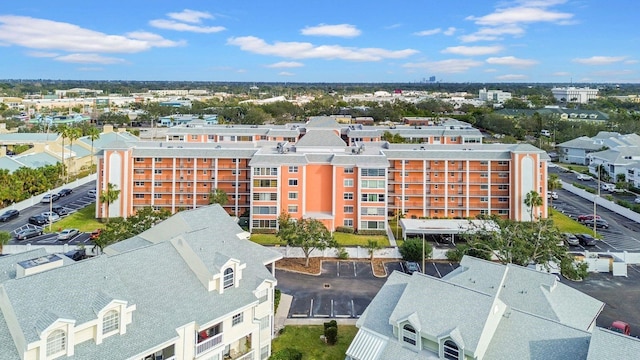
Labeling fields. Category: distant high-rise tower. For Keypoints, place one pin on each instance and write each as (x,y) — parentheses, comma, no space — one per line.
(432,79)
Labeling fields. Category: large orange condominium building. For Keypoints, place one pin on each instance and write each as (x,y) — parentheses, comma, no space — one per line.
(342,175)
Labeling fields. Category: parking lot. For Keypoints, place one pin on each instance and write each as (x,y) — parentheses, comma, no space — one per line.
(344,289)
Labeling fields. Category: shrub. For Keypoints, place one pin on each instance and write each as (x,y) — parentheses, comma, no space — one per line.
(276,299)
(286,354)
(411,250)
(263,231)
(345,229)
(331,334)
(573,270)
(341,253)
(372,232)
(329,324)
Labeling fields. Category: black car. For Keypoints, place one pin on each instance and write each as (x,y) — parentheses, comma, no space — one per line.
(28,233)
(60,210)
(64,192)
(38,220)
(76,255)
(586,240)
(411,266)
(9,214)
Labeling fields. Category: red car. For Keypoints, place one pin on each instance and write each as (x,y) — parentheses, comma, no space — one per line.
(95,233)
(621,327)
(586,217)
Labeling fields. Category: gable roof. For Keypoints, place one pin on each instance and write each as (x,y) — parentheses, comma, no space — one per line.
(317,137)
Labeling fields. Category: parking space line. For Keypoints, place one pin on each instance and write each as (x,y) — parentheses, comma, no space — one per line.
(331,312)
(634,268)
(311,309)
(355,273)
(438,271)
(338,269)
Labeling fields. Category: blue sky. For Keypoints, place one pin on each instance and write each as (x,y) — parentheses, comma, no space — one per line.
(554,41)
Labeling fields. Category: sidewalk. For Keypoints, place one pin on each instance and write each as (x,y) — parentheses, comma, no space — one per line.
(283,311)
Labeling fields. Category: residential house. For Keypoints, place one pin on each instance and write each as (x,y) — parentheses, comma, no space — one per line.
(191,287)
(483,310)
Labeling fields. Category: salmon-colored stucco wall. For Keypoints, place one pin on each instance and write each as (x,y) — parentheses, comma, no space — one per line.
(318,188)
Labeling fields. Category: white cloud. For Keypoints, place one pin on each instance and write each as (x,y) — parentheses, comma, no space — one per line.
(610,73)
(178,26)
(490,70)
(340,30)
(285,73)
(42,54)
(428,32)
(511,61)
(599,60)
(561,73)
(44,34)
(493,33)
(521,14)
(448,66)
(305,50)
(393,26)
(285,64)
(511,77)
(155,39)
(631,62)
(472,50)
(190,16)
(89,59)
(450,31)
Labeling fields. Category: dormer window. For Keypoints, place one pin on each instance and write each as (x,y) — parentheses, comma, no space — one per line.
(110,321)
(56,343)
(450,350)
(409,334)
(228,279)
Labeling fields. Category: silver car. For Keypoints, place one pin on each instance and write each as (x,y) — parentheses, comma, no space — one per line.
(68,234)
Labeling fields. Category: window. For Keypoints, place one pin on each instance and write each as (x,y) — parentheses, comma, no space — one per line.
(265,196)
(194,137)
(484,175)
(264,224)
(348,182)
(347,196)
(157,196)
(139,171)
(293,182)
(292,208)
(157,183)
(348,222)
(237,319)
(265,183)
(227,280)
(348,209)
(157,159)
(264,210)
(348,170)
(110,321)
(293,169)
(373,172)
(450,350)
(264,351)
(503,175)
(157,171)
(503,199)
(56,342)
(293,195)
(503,163)
(263,295)
(484,163)
(503,187)
(453,138)
(265,171)
(138,183)
(372,197)
(139,196)
(372,184)
(503,212)
(409,334)
(139,159)
(484,187)
(484,199)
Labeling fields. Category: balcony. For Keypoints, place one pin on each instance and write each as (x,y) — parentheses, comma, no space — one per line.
(208,344)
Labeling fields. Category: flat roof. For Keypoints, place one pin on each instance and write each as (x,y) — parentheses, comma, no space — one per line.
(445,226)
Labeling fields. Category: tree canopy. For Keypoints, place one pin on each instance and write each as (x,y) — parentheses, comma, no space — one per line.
(119,229)
(307,234)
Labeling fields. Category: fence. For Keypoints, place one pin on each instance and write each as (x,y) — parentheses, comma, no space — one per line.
(610,205)
(36,199)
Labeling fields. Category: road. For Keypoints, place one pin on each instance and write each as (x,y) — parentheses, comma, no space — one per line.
(73,202)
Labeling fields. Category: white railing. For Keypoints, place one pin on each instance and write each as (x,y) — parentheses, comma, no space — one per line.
(171,358)
(247,356)
(208,344)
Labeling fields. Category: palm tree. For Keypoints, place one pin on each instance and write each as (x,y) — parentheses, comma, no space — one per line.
(63,130)
(109,196)
(372,246)
(553,183)
(533,200)
(73,134)
(94,134)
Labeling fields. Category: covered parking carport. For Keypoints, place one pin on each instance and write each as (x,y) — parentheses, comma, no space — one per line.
(450,227)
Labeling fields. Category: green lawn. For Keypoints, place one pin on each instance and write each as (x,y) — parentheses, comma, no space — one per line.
(307,340)
(567,224)
(343,239)
(84,220)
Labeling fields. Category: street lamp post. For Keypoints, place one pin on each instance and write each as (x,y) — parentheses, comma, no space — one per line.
(50,208)
(595,198)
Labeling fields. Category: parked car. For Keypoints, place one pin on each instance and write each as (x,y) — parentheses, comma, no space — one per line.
(95,234)
(600,223)
(585,217)
(68,234)
(411,266)
(28,233)
(76,255)
(50,216)
(60,210)
(50,198)
(621,327)
(92,192)
(64,192)
(571,239)
(9,214)
(552,195)
(637,200)
(584,177)
(38,220)
(586,240)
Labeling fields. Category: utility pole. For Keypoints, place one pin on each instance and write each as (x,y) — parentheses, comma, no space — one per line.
(595,197)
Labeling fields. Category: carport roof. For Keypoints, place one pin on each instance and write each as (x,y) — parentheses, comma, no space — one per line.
(445,226)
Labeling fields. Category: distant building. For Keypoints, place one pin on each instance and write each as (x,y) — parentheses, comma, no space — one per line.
(574,94)
(497,96)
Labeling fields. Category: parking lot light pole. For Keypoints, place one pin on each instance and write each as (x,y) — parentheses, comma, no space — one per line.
(423,254)
(50,208)
(595,197)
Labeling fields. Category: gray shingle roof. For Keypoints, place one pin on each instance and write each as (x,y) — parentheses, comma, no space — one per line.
(318,137)
(606,344)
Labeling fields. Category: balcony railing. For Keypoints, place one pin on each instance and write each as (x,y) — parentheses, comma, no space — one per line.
(209,344)
(247,356)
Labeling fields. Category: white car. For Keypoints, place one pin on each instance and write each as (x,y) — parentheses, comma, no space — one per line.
(51,216)
(584,177)
(68,234)
(552,195)
(637,200)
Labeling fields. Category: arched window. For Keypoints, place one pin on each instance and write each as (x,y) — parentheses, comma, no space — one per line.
(110,321)
(227,281)
(451,350)
(56,342)
(409,334)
